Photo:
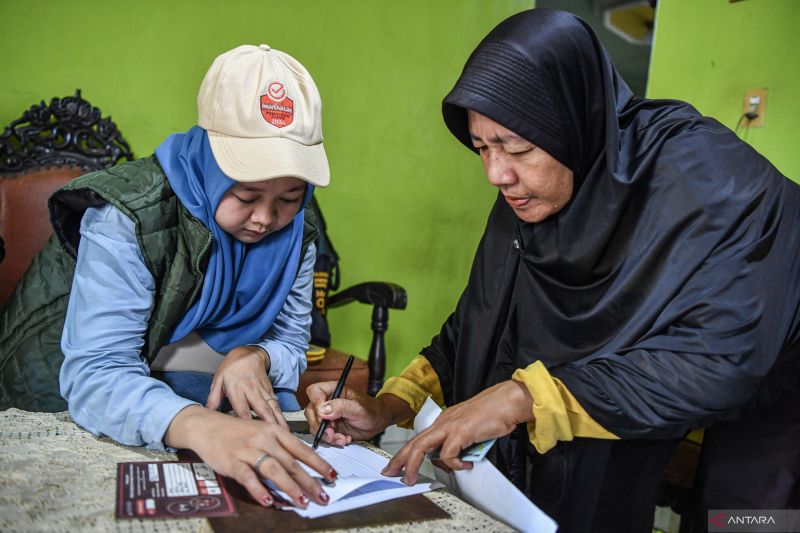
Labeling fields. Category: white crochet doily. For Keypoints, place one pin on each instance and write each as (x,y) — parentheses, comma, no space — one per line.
(54,476)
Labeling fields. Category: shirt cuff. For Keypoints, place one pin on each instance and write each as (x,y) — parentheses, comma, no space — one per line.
(417,381)
(158,419)
(557,414)
(284,365)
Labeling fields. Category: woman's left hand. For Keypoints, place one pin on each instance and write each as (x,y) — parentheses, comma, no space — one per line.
(242,378)
(492,413)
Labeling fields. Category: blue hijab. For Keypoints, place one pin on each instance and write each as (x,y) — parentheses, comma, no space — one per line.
(245,285)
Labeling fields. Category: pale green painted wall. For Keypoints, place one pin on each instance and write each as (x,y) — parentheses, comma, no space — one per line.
(708,52)
(407,202)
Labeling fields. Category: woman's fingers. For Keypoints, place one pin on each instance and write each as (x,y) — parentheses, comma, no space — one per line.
(271,468)
(413,461)
(402,458)
(317,393)
(255,400)
(312,418)
(299,450)
(340,439)
(348,405)
(455,463)
(262,400)
(215,395)
(330,435)
(340,408)
(412,467)
(239,404)
(247,477)
(411,456)
(275,409)
(320,392)
(450,452)
(439,464)
(294,479)
(280,466)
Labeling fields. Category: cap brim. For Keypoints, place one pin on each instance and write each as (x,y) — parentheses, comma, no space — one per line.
(258,159)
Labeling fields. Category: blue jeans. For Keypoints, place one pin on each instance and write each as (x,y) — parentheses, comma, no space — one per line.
(196,386)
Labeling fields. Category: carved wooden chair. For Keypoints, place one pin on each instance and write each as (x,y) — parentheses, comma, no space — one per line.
(49,145)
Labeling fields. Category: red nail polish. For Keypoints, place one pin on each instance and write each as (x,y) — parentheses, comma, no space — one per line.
(333,474)
(324,496)
(303,499)
(267,501)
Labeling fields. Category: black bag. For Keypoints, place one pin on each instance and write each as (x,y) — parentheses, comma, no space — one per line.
(326,278)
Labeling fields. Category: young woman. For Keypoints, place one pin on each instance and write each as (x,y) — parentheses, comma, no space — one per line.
(206,238)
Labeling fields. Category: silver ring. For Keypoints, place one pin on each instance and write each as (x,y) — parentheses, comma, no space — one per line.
(272,399)
(261,458)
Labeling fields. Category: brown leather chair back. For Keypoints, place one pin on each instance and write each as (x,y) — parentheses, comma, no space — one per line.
(24,221)
(42,150)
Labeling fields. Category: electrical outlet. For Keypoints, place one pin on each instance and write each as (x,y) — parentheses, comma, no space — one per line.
(755,101)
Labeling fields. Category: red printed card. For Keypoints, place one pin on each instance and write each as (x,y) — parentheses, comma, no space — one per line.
(170,489)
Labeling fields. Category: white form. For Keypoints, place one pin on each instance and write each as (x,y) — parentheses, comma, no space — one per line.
(487,489)
(359,483)
(179,479)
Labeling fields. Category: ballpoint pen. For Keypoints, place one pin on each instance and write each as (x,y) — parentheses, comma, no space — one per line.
(336,392)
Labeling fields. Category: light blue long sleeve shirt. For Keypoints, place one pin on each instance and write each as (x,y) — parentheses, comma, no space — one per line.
(104,379)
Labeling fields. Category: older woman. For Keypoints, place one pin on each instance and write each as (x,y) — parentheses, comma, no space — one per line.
(638,277)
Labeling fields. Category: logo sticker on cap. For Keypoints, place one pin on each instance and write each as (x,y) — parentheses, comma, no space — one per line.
(276,107)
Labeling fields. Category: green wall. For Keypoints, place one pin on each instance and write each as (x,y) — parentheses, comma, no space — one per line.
(407,203)
(708,52)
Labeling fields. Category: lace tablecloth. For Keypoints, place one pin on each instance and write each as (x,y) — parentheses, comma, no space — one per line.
(54,476)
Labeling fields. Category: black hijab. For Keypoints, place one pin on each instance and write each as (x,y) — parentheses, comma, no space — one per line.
(668,286)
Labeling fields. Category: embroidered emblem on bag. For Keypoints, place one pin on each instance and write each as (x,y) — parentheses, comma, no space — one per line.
(276,107)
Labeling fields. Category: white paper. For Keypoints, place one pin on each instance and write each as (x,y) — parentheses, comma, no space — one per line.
(487,489)
(359,483)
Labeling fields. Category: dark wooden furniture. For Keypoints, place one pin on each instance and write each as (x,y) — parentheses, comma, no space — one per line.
(329,369)
(49,145)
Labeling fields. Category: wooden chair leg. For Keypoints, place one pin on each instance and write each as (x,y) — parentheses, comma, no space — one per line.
(377,356)
(377,351)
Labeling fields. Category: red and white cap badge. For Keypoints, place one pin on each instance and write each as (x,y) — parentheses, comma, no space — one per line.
(276,107)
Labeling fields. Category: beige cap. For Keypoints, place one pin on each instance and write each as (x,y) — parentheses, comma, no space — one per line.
(263,115)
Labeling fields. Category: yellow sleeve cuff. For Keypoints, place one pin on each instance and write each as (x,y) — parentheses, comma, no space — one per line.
(417,381)
(557,414)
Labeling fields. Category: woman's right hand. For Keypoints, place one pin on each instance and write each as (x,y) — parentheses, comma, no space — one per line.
(231,446)
(352,416)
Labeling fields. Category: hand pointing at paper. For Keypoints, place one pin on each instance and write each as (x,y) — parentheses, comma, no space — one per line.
(493,413)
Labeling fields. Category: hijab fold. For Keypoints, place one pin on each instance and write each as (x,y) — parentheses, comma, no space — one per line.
(663,293)
(245,285)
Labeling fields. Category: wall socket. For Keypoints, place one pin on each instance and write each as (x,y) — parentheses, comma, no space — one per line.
(755,101)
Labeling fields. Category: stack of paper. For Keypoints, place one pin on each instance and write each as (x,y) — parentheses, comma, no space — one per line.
(360,482)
